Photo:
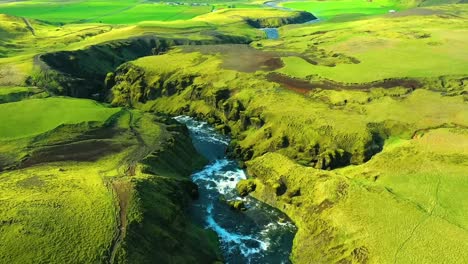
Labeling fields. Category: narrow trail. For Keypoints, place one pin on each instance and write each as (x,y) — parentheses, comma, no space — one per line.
(122,189)
(121,220)
(427,217)
(29,26)
(139,153)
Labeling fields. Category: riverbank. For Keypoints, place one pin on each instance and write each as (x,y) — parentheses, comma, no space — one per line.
(249,231)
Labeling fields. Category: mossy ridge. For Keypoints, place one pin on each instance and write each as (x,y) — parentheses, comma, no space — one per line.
(226,99)
(357,132)
(17,93)
(343,210)
(155,209)
(275,22)
(81,73)
(51,166)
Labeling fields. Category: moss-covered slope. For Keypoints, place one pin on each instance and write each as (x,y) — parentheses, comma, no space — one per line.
(96,184)
(361,165)
(406,205)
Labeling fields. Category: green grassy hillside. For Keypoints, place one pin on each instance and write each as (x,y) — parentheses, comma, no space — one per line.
(338,10)
(361,159)
(77,183)
(356,126)
(116,12)
(58,209)
(381,211)
(22,42)
(36,116)
(326,10)
(379,46)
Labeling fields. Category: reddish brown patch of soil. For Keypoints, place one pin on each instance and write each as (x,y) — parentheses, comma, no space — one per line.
(303,86)
(87,150)
(293,84)
(241,57)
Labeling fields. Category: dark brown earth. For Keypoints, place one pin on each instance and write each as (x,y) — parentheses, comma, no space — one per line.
(303,86)
(240,57)
(293,84)
(123,191)
(415,12)
(86,150)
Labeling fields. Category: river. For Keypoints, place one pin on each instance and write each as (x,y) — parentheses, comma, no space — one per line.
(261,234)
(273,33)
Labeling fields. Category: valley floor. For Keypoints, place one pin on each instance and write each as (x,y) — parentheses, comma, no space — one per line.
(355,127)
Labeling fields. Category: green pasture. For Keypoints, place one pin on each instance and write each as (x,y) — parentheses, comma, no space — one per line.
(35,116)
(219,6)
(51,215)
(326,10)
(111,12)
(382,47)
(154,12)
(65,11)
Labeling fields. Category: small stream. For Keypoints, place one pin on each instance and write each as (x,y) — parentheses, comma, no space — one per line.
(273,33)
(261,234)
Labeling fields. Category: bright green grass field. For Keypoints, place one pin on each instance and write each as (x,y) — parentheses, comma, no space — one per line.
(112,12)
(65,11)
(325,10)
(386,47)
(35,116)
(52,216)
(9,90)
(155,12)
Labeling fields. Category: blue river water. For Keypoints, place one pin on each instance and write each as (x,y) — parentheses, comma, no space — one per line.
(261,234)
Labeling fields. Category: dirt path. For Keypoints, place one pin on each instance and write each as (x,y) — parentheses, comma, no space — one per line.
(122,189)
(130,162)
(29,26)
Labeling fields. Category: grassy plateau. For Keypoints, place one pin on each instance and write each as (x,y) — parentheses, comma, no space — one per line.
(355,126)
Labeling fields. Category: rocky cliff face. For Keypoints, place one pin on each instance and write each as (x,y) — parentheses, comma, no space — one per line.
(82,73)
(274,22)
(181,92)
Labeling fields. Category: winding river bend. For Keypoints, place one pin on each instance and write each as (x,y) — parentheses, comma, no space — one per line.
(273,33)
(261,234)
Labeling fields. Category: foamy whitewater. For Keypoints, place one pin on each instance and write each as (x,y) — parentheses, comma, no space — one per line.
(259,235)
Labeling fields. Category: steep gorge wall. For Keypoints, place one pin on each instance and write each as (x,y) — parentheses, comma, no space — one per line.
(157,225)
(82,73)
(235,116)
(274,22)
